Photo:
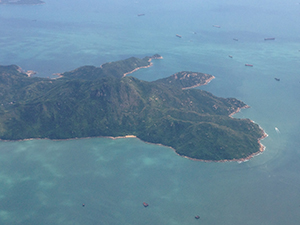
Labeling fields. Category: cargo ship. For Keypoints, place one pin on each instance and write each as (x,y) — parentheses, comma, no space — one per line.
(269,39)
(248,65)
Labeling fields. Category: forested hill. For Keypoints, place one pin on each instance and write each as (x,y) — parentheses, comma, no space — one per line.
(112,69)
(100,101)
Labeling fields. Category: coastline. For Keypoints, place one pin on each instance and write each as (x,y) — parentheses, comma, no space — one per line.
(59,75)
(238,110)
(261,146)
(198,85)
(70,139)
(119,137)
(261,149)
(124,75)
(150,59)
(240,160)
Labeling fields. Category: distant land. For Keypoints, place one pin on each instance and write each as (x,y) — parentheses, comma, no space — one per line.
(102,101)
(21,2)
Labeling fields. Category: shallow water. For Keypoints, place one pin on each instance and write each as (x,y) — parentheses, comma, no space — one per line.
(46,182)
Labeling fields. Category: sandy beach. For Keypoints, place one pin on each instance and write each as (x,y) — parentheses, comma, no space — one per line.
(143,66)
(261,149)
(198,85)
(124,75)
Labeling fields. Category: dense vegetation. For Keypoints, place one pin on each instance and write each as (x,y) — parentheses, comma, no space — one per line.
(99,101)
(186,79)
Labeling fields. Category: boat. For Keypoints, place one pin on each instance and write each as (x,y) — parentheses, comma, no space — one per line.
(197,217)
(83,205)
(248,65)
(269,39)
(177,35)
(230,56)
(145,204)
(142,14)
(235,39)
(277,79)
(217,26)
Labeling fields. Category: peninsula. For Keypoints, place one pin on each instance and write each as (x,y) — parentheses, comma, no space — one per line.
(102,101)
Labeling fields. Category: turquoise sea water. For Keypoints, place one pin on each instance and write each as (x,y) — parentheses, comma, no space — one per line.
(46,182)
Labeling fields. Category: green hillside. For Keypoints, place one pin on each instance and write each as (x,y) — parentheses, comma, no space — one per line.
(100,101)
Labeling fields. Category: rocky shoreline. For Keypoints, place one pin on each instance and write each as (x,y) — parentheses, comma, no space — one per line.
(150,59)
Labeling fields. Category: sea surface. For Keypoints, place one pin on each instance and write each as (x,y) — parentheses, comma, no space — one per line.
(46,182)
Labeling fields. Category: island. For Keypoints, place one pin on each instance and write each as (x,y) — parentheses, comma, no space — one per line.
(103,102)
(21,2)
